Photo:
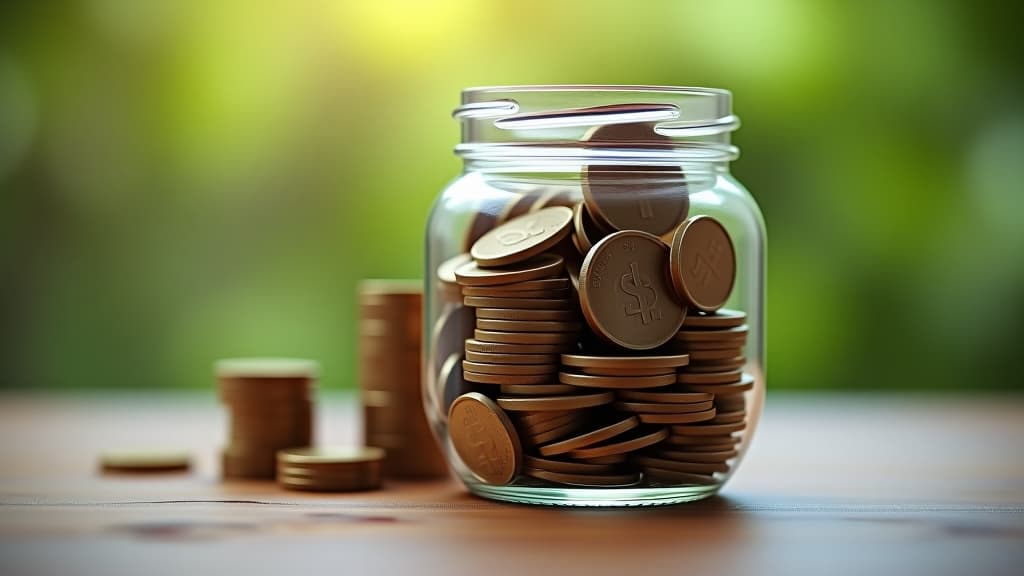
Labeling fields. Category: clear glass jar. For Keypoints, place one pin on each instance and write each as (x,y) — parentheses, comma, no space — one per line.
(620,158)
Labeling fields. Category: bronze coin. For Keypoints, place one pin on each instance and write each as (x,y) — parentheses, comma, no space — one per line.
(547,425)
(585,232)
(446,270)
(523,237)
(708,429)
(523,303)
(690,467)
(665,397)
(714,345)
(511,358)
(564,467)
(685,418)
(589,480)
(624,291)
(721,318)
(649,198)
(545,403)
(735,333)
(449,333)
(526,325)
(512,369)
(491,206)
(730,403)
(625,362)
(537,389)
(589,381)
(450,377)
(659,408)
(703,263)
(676,478)
(145,461)
(543,266)
(727,377)
(525,337)
(610,460)
(520,314)
(487,292)
(531,418)
(553,434)
(746,383)
(715,355)
(627,371)
(716,365)
(553,285)
(622,446)
(590,438)
(475,345)
(681,456)
(729,417)
(481,378)
(484,438)
(717,439)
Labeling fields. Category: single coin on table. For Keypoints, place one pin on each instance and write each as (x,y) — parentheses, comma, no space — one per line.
(526,325)
(520,303)
(587,480)
(625,362)
(625,293)
(703,263)
(521,238)
(522,315)
(618,382)
(485,439)
(145,461)
(542,266)
(623,446)
(719,319)
(590,438)
(568,402)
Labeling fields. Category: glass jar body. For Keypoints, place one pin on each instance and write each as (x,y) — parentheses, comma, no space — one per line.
(488,194)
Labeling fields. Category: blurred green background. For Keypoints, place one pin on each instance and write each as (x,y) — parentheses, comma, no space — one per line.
(182,181)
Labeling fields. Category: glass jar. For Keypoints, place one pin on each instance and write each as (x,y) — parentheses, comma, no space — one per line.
(595,297)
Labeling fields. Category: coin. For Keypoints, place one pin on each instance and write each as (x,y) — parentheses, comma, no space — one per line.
(526,325)
(446,270)
(534,389)
(717,365)
(523,303)
(730,403)
(623,446)
(546,425)
(719,456)
(703,263)
(491,205)
(745,383)
(715,355)
(628,371)
(728,417)
(714,344)
(451,378)
(145,461)
(720,440)
(626,197)
(349,457)
(554,434)
(710,377)
(542,266)
(721,318)
(684,418)
(521,314)
(590,381)
(507,378)
(484,368)
(624,292)
(625,362)
(603,480)
(564,467)
(659,408)
(517,207)
(708,429)
(553,197)
(522,237)
(611,459)
(525,337)
(665,397)
(568,402)
(511,358)
(531,418)
(552,285)
(689,467)
(737,332)
(487,292)
(585,232)
(484,438)
(677,478)
(590,438)
(475,345)
(272,368)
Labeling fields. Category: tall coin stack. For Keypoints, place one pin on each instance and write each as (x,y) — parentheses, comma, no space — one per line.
(390,337)
(648,391)
(271,409)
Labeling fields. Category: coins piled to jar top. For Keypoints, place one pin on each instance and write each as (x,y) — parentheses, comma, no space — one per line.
(270,404)
(600,354)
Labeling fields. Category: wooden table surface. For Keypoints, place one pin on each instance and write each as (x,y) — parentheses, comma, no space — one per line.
(832,485)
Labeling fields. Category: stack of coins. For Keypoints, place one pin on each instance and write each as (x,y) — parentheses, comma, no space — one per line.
(330,469)
(270,403)
(390,337)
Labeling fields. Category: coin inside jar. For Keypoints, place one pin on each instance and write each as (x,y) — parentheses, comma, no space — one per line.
(484,438)
(625,294)
(523,237)
(543,266)
(703,263)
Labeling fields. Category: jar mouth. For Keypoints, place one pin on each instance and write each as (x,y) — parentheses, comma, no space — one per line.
(684,123)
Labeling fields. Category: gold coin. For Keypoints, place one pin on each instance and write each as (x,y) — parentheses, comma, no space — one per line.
(523,303)
(622,447)
(475,345)
(703,263)
(523,237)
(589,381)
(625,362)
(525,337)
(568,402)
(601,480)
(590,438)
(685,418)
(145,461)
(659,408)
(523,315)
(721,318)
(526,325)
(484,368)
(543,266)
(624,291)
(485,439)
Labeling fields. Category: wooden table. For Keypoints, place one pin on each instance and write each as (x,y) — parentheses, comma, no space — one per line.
(833,485)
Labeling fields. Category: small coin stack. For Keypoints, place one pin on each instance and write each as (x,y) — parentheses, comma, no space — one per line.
(270,403)
(330,469)
(390,337)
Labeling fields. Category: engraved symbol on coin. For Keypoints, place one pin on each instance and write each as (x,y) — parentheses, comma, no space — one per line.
(632,284)
(516,235)
(646,211)
(705,264)
(486,450)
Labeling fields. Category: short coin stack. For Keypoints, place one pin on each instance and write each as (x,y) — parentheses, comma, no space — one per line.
(390,338)
(330,469)
(270,403)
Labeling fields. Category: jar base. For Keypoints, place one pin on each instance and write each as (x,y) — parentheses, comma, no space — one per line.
(594,497)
